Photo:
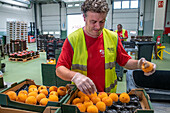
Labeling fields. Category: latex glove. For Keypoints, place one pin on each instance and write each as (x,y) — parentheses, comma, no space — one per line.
(84,83)
(141,61)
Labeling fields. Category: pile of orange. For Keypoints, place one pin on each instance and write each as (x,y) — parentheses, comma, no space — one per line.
(97,102)
(36,95)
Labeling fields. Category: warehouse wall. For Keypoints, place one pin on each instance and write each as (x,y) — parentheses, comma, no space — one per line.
(128,18)
(51,18)
(167,23)
(148,17)
(8,12)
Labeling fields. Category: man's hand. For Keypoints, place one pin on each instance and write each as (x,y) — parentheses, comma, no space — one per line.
(84,83)
(141,61)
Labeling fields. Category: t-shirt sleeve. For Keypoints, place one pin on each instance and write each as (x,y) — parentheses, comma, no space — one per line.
(122,55)
(126,33)
(66,55)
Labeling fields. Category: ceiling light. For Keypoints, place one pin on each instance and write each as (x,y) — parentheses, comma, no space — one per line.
(76,5)
(70,5)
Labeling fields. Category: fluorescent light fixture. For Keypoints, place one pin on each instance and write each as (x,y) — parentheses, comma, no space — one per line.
(45,32)
(76,5)
(51,32)
(57,32)
(12,2)
(70,5)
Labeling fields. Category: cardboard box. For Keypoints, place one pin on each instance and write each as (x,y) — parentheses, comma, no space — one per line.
(12,110)
(140,93)
(5,100)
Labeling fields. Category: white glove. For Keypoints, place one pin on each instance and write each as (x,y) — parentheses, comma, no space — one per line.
(141,61)
(84,83)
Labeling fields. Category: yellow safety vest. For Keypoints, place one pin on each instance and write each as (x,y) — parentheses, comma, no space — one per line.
(80,56)
(123,33)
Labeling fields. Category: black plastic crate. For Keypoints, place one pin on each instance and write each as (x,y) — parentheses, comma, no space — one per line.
(128,44)
(156,85)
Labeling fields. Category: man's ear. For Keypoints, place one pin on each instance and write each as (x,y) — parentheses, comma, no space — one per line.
(84,17)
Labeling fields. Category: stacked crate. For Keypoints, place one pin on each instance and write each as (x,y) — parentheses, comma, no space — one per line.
(17,31)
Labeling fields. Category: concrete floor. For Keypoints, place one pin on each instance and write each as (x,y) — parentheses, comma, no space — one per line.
(18,71)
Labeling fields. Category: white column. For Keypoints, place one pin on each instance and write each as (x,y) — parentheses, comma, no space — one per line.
(159,14)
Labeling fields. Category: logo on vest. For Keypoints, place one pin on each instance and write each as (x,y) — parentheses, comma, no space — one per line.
(102,53)
(111,50)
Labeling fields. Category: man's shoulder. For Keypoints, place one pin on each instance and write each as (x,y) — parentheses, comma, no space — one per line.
(76,32)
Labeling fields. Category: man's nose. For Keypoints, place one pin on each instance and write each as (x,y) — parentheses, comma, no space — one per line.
(97,26)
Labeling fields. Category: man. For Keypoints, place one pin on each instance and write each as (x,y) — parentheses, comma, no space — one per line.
(91,52)
(122,33)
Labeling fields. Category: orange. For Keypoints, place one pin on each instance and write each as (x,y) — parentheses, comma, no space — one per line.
(21,97)
(33,93)
(88,103)
(92,109)
(124,98)
(92,95)
(53,93)
(23,91)
(76,100)
(102,95)
(84,98)
(53,98)
(62,91)
(32,86)
(31,100)
(101,106)
(32,89)
(147,66)
(80,93)
(114,97)
(95,99)
(44,101)
(53,88)
(41,87)
(108,101)
(81,107)
(40,96)
(12,95)
(44,91)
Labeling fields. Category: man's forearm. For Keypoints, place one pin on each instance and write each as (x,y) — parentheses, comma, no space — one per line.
(132,64)
(65,73)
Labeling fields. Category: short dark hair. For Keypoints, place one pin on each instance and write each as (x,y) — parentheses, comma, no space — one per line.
(97,6)
(120,25)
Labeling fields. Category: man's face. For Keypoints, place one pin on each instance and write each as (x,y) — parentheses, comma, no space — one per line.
(119,28)
(94,23)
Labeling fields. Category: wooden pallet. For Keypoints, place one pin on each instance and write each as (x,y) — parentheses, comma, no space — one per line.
(24,59)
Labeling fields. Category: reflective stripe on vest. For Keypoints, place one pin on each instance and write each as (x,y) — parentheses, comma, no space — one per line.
(80,56)
(123,33)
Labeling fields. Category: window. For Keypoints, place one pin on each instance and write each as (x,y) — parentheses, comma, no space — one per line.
(134,4)
(125,4)
(117,5)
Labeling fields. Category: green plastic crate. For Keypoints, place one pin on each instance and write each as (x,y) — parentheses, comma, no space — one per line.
(49,76)
(146,103)
(5,101)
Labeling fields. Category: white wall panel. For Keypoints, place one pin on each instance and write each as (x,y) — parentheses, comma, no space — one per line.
(51,22)
(55,27)
(50,9)
(51,17)
(74,10)
(14,13)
